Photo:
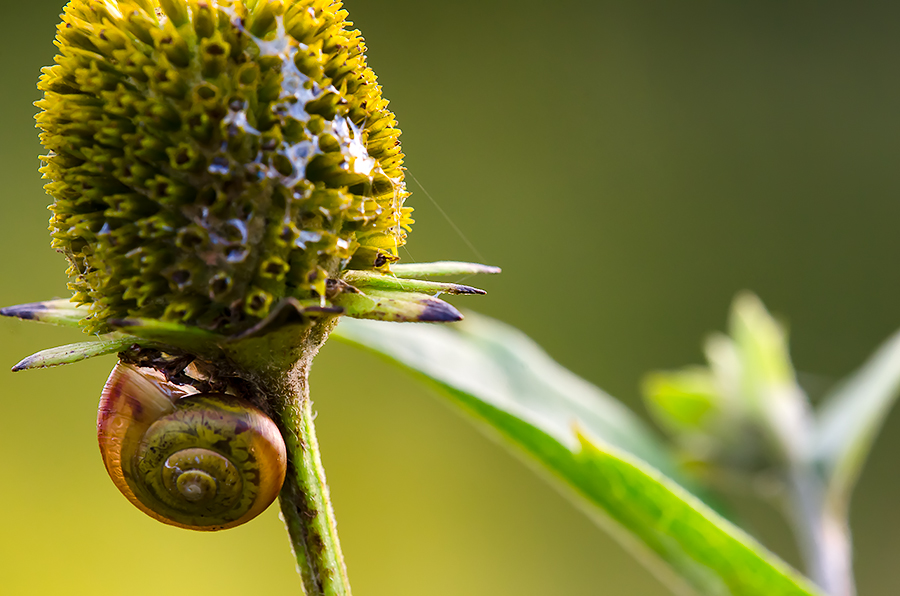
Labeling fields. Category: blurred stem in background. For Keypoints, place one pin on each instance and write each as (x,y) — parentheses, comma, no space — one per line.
(823,535)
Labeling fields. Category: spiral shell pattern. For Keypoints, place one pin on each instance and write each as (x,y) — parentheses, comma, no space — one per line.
(194,460)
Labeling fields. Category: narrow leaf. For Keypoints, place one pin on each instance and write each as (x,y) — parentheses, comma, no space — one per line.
(77,352)
(60,312)
(401,307)
(506,382)
(364,280)
(441,269)
(851,416)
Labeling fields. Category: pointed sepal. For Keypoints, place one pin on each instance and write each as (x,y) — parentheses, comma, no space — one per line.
(372,280)
(71,353)
(400,307)
(441,269)
(60,312)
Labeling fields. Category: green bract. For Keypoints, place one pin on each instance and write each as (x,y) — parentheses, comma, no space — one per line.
(209,159)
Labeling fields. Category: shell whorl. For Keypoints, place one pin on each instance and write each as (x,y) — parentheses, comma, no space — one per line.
(202,461)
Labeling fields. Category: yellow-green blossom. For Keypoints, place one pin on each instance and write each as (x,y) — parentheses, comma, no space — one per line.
(209,158)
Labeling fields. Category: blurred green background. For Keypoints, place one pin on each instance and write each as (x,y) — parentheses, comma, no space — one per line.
(630,166)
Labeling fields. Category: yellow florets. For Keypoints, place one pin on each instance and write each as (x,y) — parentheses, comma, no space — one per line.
(209,158)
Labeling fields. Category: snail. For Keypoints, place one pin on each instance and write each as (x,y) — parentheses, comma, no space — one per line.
(202,461)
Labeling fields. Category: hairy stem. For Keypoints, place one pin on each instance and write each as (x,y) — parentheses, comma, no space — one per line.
(305,503)
(278,364)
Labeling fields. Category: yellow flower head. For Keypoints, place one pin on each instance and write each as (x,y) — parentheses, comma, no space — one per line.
(208,158)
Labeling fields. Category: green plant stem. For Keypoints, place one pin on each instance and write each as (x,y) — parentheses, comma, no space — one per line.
(306,506)
(823,534)
(278,364)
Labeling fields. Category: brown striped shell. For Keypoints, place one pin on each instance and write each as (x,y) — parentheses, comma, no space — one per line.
(201,461)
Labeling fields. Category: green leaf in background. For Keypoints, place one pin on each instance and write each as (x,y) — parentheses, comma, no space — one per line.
(711,555)
(851,416)
(589,443)
(504,369)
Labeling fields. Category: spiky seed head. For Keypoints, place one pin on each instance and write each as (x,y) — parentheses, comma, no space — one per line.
(208,158)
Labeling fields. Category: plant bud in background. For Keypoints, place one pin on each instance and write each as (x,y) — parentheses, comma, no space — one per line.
(744,411)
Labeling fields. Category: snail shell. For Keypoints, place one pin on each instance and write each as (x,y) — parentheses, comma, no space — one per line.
(202,461)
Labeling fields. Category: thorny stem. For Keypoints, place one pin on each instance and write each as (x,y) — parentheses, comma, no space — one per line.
(278,364)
